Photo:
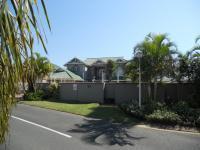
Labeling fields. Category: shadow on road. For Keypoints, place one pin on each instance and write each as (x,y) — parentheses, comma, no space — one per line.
(105,132)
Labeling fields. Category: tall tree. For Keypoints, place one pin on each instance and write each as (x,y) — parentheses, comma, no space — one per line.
(18,27)
(195,70)
(109,69)
(195,52)
(37,67)
(182,67)
(188,70)
(157,59)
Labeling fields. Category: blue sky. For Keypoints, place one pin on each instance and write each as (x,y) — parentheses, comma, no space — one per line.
(98,28)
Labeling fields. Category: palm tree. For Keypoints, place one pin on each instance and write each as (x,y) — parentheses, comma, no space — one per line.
(157,61)
(195,52)
(182,66)
(18,27)
(37,68)
(189,62)
(44,66)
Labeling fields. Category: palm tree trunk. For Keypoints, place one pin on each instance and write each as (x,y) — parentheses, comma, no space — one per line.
(31,87)
(23,85)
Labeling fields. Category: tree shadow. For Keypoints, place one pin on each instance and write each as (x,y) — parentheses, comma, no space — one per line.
(107,130)
(102,132)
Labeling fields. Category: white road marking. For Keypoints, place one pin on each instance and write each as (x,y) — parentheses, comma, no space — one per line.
(46,128)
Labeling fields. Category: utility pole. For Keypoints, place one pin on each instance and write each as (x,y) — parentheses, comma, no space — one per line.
(102,76)
(117,76)
(139,56)
(139,84)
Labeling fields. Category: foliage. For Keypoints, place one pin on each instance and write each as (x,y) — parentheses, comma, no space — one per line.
(42,93)
(180,113)
(159,60)
(157,56)
(156,62)
(188,115)
(37,68)
(51,91)
(149,106)
(182,71)
(34,96)
(188,69)
(164,116)
(181,108)
(133,109)
(131,70)
(110,69)
(18,27)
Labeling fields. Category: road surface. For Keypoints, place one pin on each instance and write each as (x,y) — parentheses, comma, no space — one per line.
(33,128)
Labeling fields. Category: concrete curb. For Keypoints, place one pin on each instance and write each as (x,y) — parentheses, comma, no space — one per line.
(168,130)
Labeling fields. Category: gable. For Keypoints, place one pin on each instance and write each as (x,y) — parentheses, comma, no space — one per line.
(121,60)
(74,61)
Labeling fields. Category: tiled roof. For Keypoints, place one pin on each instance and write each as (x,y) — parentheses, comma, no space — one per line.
(60,73)
(56,68)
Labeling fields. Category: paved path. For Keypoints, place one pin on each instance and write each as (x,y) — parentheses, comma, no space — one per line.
(35,128)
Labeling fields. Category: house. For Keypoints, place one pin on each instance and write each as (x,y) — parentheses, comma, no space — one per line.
(95,68)
(62,75)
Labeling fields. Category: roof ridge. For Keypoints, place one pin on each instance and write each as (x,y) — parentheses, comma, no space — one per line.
(105,57)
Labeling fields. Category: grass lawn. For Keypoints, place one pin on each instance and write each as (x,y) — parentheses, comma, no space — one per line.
(89,110)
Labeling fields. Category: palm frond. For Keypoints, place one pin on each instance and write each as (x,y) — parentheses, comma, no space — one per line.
(18,28)
(197,39)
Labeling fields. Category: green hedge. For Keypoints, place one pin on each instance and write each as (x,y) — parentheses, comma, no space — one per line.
(180,113)
(189,116)
(133,109)
(164,116)
(34,96)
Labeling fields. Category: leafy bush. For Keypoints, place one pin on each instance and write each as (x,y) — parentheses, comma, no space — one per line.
(189,116)
(182,109)
(164,116)
(33,96)
(150,105)
(178,113)
(51,91)
(133,109)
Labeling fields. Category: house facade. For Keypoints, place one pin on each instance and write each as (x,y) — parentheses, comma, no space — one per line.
(95,68)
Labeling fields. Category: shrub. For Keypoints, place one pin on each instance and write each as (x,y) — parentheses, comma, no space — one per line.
(182,109)
(150,105)
(133,109)
(51,91)
(164,116)
(189,116)
(180,113)
(33,96)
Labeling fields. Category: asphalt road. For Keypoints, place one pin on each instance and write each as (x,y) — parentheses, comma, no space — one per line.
(33,128)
